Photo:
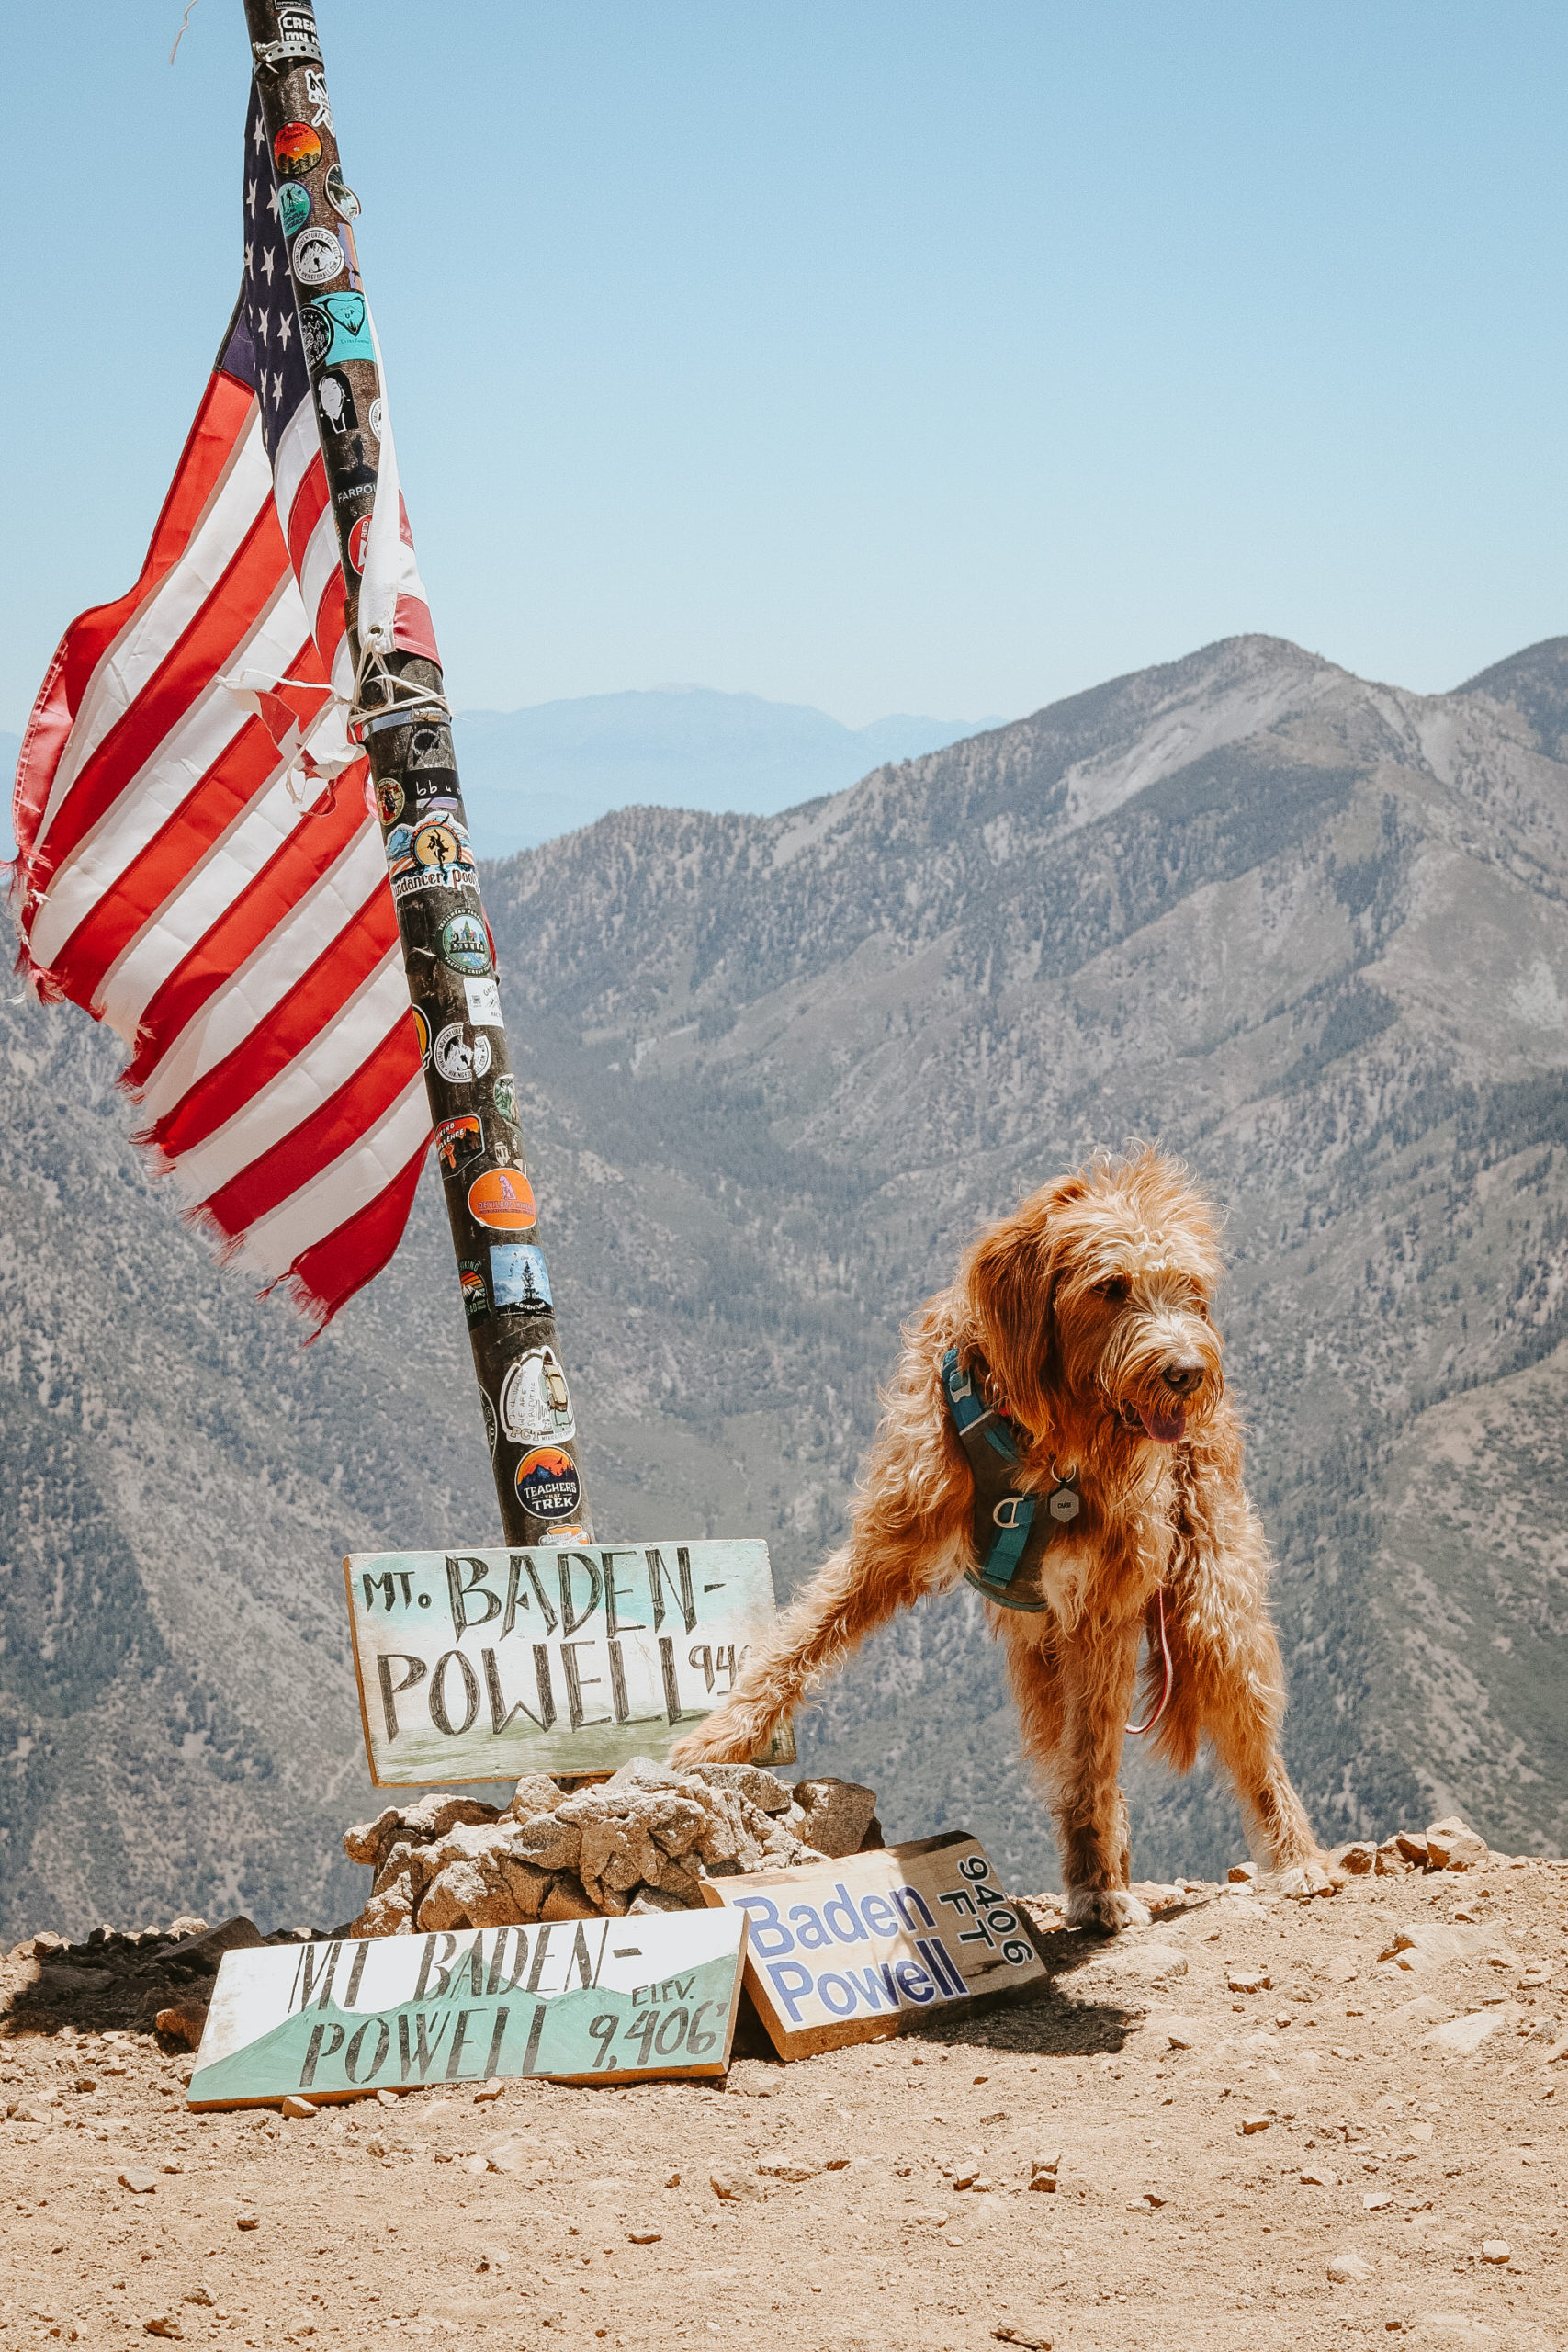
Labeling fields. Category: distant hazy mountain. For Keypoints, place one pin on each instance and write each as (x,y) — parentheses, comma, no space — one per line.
(1310,931)
(530,775)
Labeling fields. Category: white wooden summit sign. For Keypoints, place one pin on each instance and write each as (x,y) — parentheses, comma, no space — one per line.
(481,1665)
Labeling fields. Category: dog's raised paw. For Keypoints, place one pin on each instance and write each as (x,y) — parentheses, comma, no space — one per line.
(1109,1908)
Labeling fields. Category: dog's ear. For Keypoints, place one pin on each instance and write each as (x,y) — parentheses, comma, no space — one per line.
(1011,1276)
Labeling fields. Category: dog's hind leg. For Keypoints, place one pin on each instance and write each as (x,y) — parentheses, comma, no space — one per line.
(1073,1695)
(855,1591)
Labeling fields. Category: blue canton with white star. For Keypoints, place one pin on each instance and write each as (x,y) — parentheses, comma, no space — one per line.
(263,348)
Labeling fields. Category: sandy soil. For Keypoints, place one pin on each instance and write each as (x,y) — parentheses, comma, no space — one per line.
(877,2196)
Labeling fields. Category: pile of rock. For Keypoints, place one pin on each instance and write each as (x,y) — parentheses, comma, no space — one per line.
(1447,1845)
(643,1840)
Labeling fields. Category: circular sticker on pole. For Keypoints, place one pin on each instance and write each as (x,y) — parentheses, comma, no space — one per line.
(502,1197)
(548,1483)
(293,207)
(296,151)
(464,948)
(340,196)
(421,1031)
(436,845)
(359,543)
(317,257)
(460,1059)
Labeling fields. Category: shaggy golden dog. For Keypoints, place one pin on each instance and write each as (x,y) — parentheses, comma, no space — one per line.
(1084,1318)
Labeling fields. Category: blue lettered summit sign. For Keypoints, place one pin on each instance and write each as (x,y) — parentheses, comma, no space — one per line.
(573,1999)
(482,1665)
(853,1950)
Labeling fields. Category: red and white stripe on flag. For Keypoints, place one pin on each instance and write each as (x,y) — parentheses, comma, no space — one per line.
(188,873)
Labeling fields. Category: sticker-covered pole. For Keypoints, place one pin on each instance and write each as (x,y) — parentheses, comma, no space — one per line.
(446,947)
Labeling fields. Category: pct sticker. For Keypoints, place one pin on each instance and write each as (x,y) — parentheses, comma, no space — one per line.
(359,543)
(502,1197)
(463,946)
(461,1062)
(390,799)
(505,1087)
(476,1297)
(456,1140)
(296,151)
(293,207)
(484,1009)
(535,1405)
(548,1483)
(317,257)
(421,1031)
(520,1278)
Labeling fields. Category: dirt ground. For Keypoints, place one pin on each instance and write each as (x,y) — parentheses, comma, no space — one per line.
(1217,2151)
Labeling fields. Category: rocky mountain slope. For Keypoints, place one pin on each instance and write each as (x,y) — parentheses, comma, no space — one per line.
(1309,931)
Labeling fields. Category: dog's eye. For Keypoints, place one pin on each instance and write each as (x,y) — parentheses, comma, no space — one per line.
(1115,1287)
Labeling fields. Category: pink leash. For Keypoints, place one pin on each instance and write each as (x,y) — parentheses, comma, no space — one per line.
(1137,1730)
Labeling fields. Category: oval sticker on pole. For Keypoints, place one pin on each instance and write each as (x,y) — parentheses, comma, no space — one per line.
(503,1199)
(548,1483)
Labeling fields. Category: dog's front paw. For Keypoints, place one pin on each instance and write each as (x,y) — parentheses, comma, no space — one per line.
(1302,1882)
(1109,1908)
(722,1739)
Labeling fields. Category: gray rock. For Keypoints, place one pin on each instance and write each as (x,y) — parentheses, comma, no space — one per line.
(836,1814)
(436,1814)
(550,1841)
(642,1773)
(758,1786)
(535,1793)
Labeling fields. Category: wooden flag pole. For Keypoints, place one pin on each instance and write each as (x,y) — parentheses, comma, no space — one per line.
(529,1420)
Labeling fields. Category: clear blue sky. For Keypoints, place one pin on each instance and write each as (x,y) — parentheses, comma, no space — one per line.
(873,354)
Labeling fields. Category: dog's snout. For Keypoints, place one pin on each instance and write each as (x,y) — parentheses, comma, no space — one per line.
(1182,1374)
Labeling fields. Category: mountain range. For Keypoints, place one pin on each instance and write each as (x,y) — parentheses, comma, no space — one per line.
(1309,931)
(529,775)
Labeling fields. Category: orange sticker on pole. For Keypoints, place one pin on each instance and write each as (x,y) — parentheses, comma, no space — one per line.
(503,1199)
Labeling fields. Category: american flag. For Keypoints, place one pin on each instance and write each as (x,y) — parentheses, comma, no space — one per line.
(198,864)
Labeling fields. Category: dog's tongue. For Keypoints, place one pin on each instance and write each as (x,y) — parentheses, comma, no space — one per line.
(1165,1427)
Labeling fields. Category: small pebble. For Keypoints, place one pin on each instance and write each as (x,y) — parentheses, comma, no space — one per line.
(1496,2250)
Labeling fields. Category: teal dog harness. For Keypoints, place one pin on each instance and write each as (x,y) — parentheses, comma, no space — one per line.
(1012,1528)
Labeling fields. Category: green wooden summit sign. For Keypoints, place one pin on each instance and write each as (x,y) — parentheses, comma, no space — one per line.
(485,1664)
(573,1999)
